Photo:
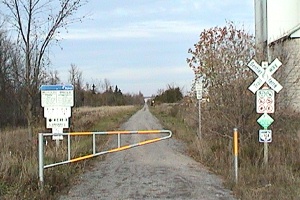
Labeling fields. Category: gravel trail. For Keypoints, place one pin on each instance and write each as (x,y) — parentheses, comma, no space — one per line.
(153,171)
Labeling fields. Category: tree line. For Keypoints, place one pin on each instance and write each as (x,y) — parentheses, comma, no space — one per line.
(27,29)
(15,93)
(171,95)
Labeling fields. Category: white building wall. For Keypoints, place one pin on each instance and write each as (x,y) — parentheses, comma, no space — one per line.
(283,16)
(277,23)
(288,51)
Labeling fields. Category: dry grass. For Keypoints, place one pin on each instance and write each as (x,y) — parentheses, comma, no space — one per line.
(279,180)
(19,167)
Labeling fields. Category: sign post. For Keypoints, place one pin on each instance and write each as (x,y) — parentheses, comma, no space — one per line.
(265,98)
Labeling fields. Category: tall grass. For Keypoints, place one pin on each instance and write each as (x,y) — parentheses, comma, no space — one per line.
(19,163)
(279,180)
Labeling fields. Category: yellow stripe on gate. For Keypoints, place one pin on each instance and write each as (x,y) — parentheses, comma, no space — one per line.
(80,133)
(119,149)
(118,132)
(149,141)
(134,145)
(81,158)
(147,131)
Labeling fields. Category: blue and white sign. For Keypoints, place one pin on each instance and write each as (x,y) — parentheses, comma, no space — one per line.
(57,101)
(57,95)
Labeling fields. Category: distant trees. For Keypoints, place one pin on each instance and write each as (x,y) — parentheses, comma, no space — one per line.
(52,78)
(112,97)
(23,62)
(171,95)
(11,89)
(36,23)
(75,78)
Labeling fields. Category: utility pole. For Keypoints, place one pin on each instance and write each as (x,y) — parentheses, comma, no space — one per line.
(261,41)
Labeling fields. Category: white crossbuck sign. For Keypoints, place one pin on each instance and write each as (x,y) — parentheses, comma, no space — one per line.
(265,75)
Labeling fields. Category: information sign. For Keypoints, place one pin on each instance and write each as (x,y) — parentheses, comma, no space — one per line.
(57,95)
(265,101)
(57,101)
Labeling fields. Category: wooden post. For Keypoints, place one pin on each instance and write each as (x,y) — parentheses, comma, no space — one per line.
(266,157)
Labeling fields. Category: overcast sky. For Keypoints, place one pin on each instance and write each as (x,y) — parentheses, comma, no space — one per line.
(142,45)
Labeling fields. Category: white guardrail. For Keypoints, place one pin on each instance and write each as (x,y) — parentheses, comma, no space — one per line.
(95,153)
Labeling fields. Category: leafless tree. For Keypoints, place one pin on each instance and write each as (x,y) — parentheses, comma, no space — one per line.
(106,84)
(36,23)
(75,77)
(53,77)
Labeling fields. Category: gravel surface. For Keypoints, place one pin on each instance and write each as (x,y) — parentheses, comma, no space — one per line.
(153,171)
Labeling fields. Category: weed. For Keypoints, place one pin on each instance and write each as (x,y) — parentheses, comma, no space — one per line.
(19,166)
(279,180)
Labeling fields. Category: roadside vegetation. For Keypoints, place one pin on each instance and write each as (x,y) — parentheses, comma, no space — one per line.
(220,60)
(279,180)
(19,166)
(24,67)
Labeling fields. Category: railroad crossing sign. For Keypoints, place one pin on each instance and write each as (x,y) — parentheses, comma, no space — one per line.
(265,120)
(265,136)
(265,101)
(264,74)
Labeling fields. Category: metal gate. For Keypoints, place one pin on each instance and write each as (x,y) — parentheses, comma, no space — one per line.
(95,153)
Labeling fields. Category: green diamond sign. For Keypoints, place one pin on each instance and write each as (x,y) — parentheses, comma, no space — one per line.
(265,120)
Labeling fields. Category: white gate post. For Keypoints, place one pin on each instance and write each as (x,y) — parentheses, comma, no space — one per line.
(41,160)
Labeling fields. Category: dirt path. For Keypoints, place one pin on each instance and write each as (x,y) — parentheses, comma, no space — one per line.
(153,171)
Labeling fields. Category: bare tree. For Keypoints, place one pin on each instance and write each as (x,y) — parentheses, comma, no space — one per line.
(106,85)
(7,59)
(75,77)
(53,77)
(37,22)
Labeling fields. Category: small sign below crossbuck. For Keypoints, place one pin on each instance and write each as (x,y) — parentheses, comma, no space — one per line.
(265,75)
(265,136)
(265,120)
(265,101)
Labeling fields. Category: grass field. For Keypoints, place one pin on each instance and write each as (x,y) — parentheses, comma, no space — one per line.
(279,180)
(19,164)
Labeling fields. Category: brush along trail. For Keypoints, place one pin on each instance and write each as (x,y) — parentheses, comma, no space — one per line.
(154,171)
